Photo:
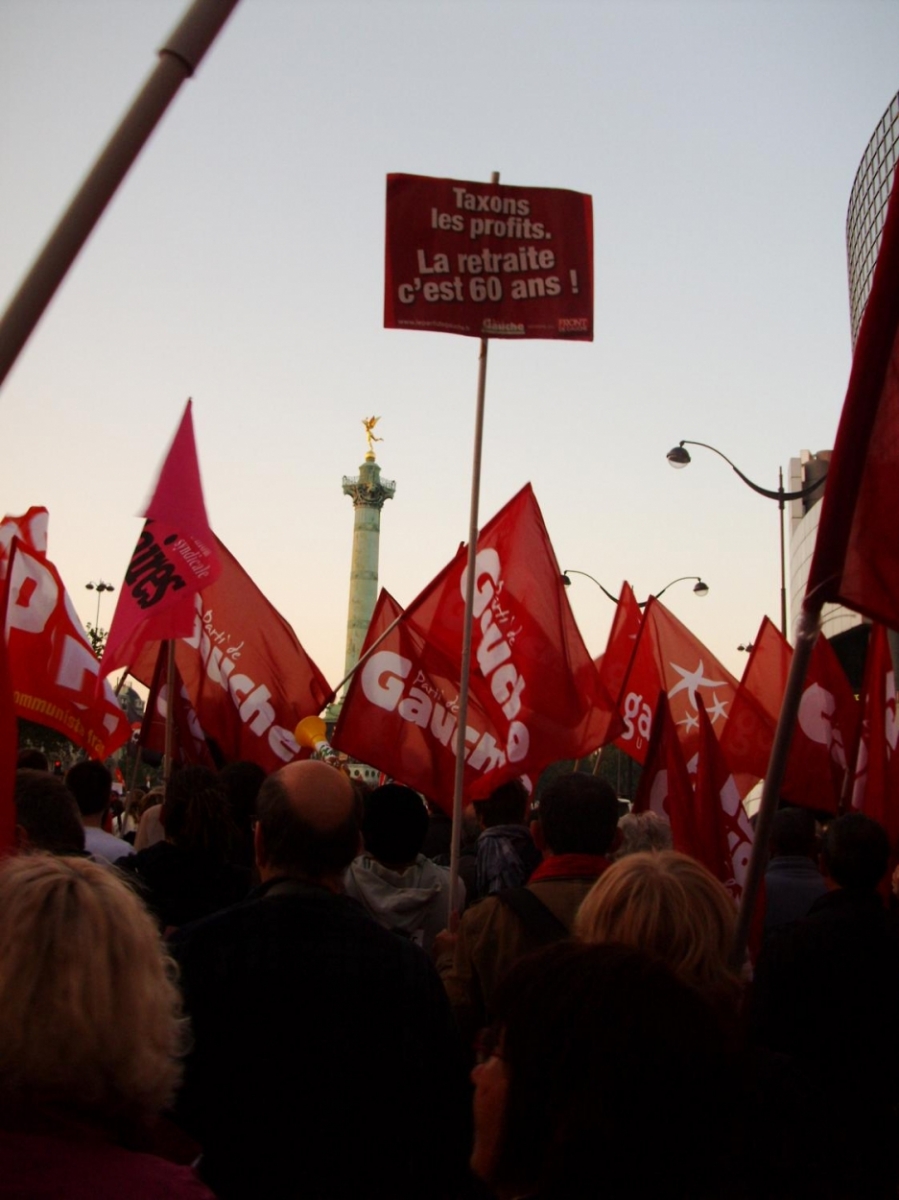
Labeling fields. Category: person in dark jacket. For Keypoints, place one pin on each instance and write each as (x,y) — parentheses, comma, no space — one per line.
(325,1062)
(826,992)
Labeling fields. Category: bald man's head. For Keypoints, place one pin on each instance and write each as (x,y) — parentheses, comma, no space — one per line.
(308,822)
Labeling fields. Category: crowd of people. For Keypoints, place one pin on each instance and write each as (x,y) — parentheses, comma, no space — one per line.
(265,987)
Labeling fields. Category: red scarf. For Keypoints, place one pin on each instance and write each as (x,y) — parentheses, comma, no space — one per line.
(570,866)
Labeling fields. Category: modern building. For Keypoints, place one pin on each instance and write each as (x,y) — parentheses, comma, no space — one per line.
(864,227)
(867,209)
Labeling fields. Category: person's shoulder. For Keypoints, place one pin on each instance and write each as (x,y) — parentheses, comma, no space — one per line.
(481,914)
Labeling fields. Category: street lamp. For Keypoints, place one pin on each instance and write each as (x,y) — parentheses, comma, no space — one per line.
(679,457)
(100,588)
(699,589)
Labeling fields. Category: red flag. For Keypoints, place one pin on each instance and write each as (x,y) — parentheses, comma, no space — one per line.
(876,785)
(724,832)
(175,558)
(665,786)
(53,666)
(246,675)
(825,732)
(30,529)
(530,667)
(613,665)
(400,715)
(668,658)
(536,693)
(749,733)
(856,559)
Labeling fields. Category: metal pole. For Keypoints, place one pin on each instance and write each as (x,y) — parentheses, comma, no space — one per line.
(178,59)
(456,841)
(783,558)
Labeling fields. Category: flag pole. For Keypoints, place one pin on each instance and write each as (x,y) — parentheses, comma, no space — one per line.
(456,841)
(363,658)
(806,636)
(179,57)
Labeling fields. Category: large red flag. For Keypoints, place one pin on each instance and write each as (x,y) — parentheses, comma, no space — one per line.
(53,666)
(534,675)
(669,658)
(175,558)
(246,675)
(876,784)
(535,691)
(825,734)
(613,665)
(401,712)
(856,559)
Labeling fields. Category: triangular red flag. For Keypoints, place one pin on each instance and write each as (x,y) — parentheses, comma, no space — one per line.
(669,658)
(856,558)
(174,559)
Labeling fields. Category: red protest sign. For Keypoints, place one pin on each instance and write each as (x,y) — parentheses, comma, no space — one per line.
(488,260)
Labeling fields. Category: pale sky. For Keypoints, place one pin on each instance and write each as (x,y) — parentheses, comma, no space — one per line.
(242,264)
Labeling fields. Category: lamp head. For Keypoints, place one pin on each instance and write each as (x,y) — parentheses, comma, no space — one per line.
(700,589)
(679,457)
(565,579)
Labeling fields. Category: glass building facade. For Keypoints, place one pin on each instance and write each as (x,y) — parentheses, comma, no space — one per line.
(864,228)
(867,209)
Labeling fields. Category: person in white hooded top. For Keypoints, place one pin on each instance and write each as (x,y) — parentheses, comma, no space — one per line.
(400,888)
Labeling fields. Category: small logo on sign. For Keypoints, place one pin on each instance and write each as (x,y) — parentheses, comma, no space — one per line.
(573,325)
(489,326)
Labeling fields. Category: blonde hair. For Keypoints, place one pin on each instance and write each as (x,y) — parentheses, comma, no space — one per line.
(90,1016)
(668,904)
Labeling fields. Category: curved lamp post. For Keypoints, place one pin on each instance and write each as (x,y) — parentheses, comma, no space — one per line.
(100,588)
(700,588)
(679,457)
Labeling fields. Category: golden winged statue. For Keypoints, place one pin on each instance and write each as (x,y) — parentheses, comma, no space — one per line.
(370,423)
